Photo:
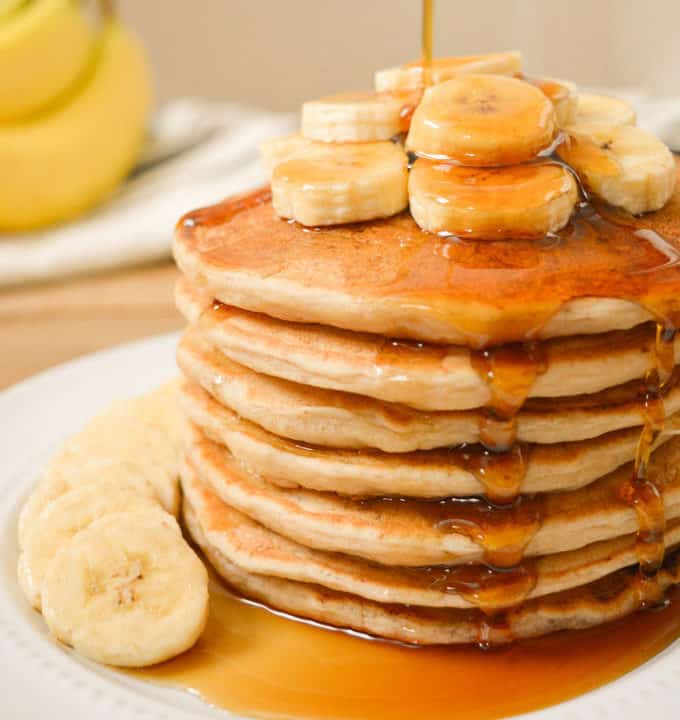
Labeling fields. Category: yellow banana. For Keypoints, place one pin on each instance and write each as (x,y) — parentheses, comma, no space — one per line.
(67,159)
(45,47)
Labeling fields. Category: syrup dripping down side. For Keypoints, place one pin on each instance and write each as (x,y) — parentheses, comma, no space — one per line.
(640,491)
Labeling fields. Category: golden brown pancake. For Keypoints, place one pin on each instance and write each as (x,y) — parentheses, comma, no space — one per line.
(426,377)
(345,420)
(612,597)
(393,531)
(461,471)
(604,271)
(258,550)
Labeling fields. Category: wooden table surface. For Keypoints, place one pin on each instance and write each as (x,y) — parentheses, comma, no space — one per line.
(42,325)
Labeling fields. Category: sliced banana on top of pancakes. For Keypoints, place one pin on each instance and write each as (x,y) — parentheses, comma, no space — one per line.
(478,112)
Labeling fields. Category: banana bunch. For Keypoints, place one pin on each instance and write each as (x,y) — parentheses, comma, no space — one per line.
(481,132)
(102,555)
(74,102)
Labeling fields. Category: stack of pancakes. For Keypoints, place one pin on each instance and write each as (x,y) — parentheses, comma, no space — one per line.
(426,439)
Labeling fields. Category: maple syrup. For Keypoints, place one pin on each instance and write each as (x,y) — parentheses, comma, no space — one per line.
(426,40)
(260,664)
(510,372)
(502,532)
(640,491)
(480,585)
(500,473)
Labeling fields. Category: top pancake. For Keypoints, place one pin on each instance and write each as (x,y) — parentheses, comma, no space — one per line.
(605,271)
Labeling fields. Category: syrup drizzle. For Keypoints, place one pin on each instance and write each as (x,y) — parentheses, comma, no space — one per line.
(510,372)
(485,587)
(501,532)
(501,473)
(427,26)
(640,491)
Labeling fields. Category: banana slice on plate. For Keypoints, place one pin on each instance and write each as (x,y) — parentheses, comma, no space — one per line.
(359,116)
(67,473)
(482,120)
(142,431)
(418,75)
(603,110)
(527,200)
(134,439)
(333,183)
(127,591)
(627,166)
(62,518)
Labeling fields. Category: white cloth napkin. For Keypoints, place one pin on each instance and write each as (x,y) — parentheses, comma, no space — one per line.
(199,152)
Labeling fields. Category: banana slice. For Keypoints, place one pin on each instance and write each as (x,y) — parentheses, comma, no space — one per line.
(482,120)
(490,203)
(342,183)
(359,116)
(603,110)
(68,472)
(277,150)
(127,591)
(23,576)
(142,431)
(562,94)
(62,518)
(626,166)
(417,75)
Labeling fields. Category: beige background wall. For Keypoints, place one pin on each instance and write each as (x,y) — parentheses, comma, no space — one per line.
(277,53)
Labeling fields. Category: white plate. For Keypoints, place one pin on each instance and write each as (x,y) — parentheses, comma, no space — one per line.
(40,679)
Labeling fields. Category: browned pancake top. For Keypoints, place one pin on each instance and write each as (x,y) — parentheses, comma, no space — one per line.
(601,253)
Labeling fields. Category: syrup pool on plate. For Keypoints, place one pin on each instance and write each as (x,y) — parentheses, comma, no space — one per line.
(263,665)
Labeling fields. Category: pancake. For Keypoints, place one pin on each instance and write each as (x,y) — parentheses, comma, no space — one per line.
(463,471)
(255,549)
(344,420)
(604,271)
(392,531)
(426,377)
(612,597)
